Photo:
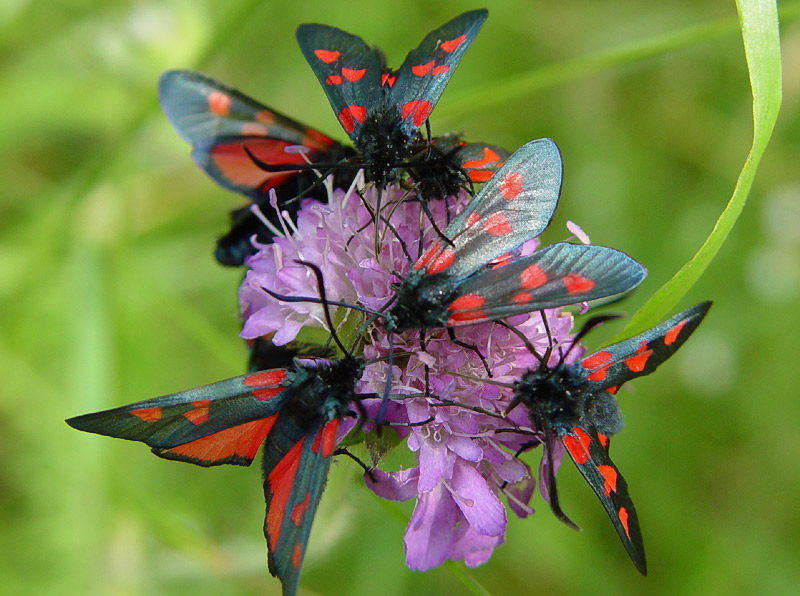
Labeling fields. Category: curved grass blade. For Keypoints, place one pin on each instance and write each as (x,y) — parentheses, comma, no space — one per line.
(759,25)
(524,84)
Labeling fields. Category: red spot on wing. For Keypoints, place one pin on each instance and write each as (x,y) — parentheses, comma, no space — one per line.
(511,185)
(316,138)
(449,46)
(609,479)
(265,394)
(466,309)
(327,56)
(420,109)
(299,510)
(265,117)
(532,277)
(462,318)
(297,555)
(596,359)
(428,254)
(613,390)
(500,261)
(268,381)
(441,69)
(467,301)
(333,80)
(254,129)
(280,481)
(238,168)
(480,175)
(584,437)
(351,114)
(442,261)
(672,334)
(265,378)
(219,103)
(387,80)
(575,283)
(575,449)
(623,518)
(242,441)
(637,363)
(598,375)
(422,69)
(497,224)
(148,414)
(326,437)
(353,75)
(489,156)
(472,219)
(521,298)
(603,440)
(197,416)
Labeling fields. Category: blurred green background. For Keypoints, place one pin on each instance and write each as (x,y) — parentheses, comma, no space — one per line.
(110,294)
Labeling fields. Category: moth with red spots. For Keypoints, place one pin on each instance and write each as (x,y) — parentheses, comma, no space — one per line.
(295,412)
(226,130)
(573,404)
(382,110)
(481,275)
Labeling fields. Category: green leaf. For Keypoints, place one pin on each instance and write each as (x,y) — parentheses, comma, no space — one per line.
(759,25)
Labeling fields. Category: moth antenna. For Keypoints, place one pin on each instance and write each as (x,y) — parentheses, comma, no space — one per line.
(325,304)
(588,326)
(549,350)
(375,314)
(267,167)
(390,227)
(423,204)
(312,300)
(323,176)
(449,403)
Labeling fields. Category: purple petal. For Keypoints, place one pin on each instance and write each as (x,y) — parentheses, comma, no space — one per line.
(394,486)
(519,493)
(418,410)
(513,469)
(432,463)
(430,531)
(473,548)
(286,333)
(480,506)
(465,448)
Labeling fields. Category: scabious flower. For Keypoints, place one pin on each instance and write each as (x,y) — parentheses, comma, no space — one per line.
(465,462)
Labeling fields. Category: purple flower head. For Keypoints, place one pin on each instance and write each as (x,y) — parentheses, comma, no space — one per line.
(465,467)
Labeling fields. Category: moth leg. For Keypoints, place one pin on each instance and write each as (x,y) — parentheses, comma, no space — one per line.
(367,470)
(467,346)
